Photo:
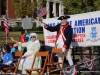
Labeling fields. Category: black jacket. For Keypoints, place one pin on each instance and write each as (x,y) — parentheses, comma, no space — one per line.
(67,33)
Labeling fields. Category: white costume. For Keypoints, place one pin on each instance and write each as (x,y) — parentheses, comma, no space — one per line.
(60,44)
(32,48)
(68,52)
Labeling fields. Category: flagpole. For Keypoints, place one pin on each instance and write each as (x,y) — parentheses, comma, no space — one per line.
(6,39)
(5,24)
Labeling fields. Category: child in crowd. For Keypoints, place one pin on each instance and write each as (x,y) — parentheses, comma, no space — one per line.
(1,53)
(23,39)
(7,57)
(27,35)
(14,48)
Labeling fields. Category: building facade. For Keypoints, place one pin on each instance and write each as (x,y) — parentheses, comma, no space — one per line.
(6,6)
(54,9)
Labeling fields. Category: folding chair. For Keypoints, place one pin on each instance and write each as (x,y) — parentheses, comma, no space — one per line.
(57,64)
(39,70)
(17,58)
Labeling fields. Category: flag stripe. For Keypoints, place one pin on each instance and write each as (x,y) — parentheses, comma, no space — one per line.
(5,24)
(41,12)
(6,31)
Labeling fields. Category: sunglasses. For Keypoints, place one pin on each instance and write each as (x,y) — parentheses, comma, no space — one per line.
(33,37)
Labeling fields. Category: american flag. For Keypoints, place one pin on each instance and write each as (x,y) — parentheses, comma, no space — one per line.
(70,70)
(41,12)
(5,23)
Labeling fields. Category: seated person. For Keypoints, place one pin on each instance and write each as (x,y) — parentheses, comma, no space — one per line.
(14,48)
(48,48)
(23,39)
(7,57)
(1,54)
(33,46)
(10,45)
(42,46)
(27,35)
(45,47)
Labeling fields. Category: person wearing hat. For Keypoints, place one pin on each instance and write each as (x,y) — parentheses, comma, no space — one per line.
(64,37)
(32,46)
(7,57)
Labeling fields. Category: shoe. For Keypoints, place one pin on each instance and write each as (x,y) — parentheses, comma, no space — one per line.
(73,70)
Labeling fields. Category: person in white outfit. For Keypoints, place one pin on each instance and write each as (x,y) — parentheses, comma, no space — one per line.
(32,46)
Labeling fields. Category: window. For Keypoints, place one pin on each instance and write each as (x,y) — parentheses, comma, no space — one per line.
(1,22)
(3,7)
(57,9)
(19,24)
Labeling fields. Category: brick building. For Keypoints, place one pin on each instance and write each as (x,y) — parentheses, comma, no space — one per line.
(6,6)
(54,9)
(10,9)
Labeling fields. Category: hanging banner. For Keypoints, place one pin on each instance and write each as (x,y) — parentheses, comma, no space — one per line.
(85,26)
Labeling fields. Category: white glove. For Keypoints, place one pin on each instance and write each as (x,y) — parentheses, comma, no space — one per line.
(63,49)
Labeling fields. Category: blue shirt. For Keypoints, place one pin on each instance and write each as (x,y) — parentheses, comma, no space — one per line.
(28,37)
(48,48)
(13,49)
(7,57)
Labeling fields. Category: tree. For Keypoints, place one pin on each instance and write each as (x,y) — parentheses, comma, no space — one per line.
(26,7)
(80,6)
(97,4)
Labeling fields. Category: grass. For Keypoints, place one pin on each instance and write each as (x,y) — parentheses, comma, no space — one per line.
(16,36)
